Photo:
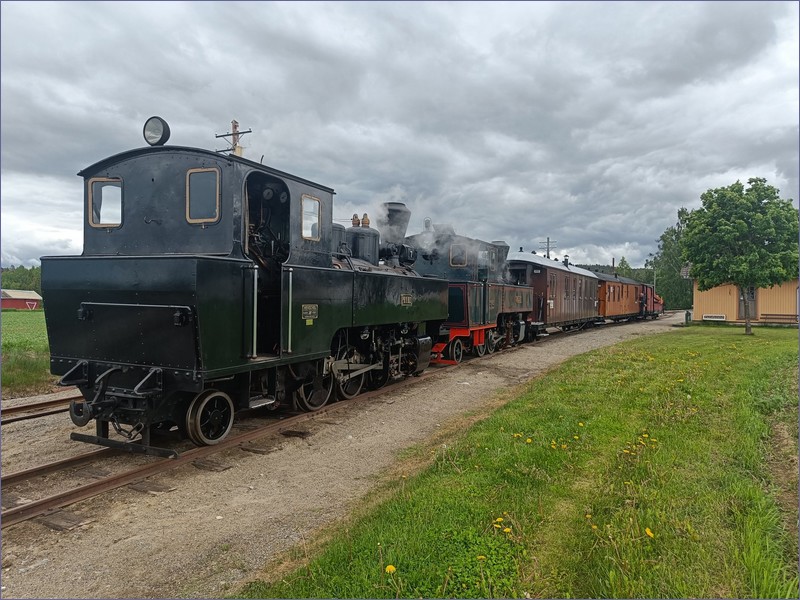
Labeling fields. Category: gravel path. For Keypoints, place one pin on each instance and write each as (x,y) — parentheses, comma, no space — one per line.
(214,530)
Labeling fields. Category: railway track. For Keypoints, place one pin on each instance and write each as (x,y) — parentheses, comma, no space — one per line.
(34,410)
(50,504)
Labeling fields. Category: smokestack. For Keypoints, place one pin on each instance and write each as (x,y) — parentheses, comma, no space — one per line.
(394,224)
(566,260)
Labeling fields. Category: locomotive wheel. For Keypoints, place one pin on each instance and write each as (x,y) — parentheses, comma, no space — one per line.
(378,378)
(456,350)
(315,389)
(209,418)
(351,387)
(491,343)
(479,350)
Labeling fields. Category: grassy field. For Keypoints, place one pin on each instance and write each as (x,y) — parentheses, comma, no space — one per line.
(664,467)
(26,354)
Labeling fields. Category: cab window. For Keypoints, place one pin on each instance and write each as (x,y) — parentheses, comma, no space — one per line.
(202,195)
(310,218)
(458,255)
(105,202)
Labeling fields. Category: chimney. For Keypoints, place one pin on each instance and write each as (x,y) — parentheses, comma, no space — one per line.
(394,224)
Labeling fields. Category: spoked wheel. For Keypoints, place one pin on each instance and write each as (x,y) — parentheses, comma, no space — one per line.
(209,418)
(377,378)
(456,350)
(315,388)
(351,387)
(479,350)
(491,343)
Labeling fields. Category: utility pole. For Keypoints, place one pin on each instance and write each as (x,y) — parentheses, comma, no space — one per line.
(235,134)
(547,245)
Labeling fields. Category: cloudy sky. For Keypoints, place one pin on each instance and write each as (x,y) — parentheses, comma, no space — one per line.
(588,123)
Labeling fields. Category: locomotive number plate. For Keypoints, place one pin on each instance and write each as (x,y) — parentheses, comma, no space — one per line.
(310,311)
(406,299)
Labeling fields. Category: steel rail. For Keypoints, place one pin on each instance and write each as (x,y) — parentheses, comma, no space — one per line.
(33,410)
(59,465)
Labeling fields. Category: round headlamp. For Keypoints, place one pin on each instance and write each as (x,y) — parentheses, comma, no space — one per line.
(156,131)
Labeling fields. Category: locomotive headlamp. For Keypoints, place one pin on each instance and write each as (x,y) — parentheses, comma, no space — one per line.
(156,131)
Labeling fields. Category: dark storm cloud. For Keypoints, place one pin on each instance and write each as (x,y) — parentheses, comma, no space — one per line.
(591,123)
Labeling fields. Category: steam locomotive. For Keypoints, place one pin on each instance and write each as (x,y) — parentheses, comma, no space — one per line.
(210,283)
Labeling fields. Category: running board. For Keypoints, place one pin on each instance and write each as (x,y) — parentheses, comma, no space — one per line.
(132,447)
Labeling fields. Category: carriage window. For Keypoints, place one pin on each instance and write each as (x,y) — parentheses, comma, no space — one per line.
(105,202)
(458,255)
(310,218)
(202,195)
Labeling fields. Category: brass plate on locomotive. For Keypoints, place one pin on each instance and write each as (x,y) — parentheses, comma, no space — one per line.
(310,311)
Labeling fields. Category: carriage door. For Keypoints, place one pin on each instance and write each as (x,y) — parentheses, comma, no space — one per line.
(751,298)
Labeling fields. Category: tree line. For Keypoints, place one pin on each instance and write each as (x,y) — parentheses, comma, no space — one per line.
(21,278)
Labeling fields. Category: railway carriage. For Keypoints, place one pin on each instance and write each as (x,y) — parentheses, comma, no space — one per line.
(210,283)
(565,296)
(622,298)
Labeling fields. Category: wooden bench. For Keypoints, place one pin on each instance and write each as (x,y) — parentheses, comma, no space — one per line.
(775,318)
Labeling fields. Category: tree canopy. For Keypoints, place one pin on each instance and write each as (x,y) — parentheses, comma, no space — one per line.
(745,237)
(668,262)
(623,268)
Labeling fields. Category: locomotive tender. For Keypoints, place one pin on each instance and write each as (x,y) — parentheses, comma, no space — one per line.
(210,283)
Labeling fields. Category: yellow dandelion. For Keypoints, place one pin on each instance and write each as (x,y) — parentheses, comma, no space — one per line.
(645,435)
(528,441)
(390,569)
(626,451)
(552,441)
(496,526)
(580,424)
(481,557)
(498,520)
(594,526)
(507,530)
(588,516)
(575,437)
(648,532)
(563,446)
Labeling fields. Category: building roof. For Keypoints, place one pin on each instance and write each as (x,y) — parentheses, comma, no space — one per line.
(21,294)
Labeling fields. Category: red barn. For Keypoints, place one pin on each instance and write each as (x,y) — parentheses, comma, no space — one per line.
(21,299)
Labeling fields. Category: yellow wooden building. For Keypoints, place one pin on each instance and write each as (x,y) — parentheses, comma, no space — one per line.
(777,304)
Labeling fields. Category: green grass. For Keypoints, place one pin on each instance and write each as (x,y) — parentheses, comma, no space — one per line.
(639,470)
(26,353)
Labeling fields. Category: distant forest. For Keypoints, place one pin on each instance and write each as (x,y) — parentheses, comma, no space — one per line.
(20,278)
